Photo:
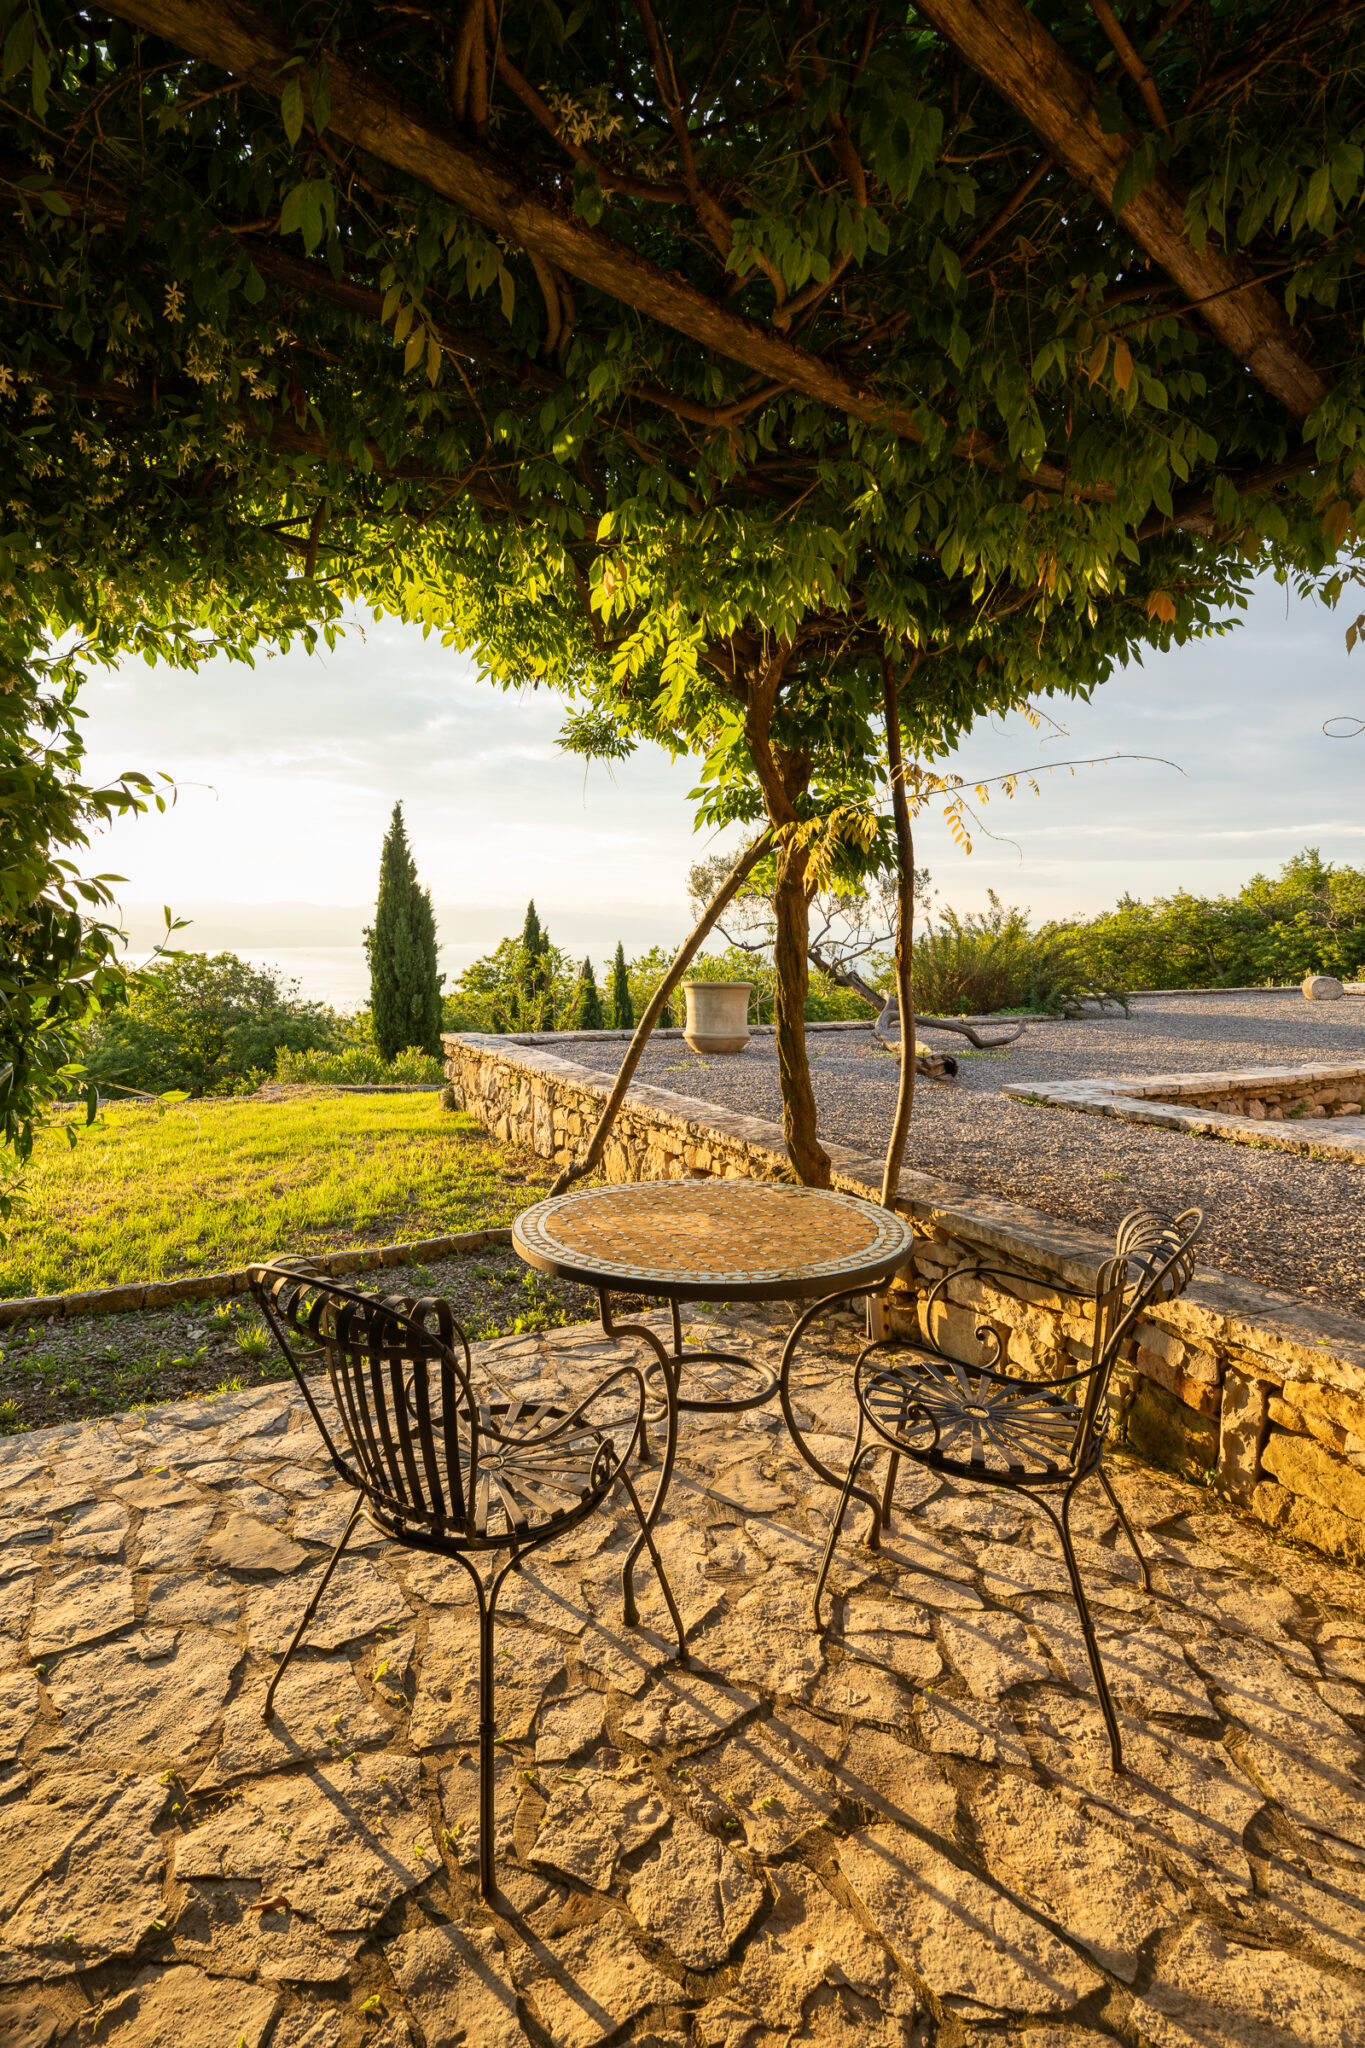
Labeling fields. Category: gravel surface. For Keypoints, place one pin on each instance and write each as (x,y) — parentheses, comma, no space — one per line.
(1289,1222)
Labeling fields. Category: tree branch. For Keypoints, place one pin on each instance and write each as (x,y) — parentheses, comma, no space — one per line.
(682,960)
(1131,62)
(1012,51)
(364,112)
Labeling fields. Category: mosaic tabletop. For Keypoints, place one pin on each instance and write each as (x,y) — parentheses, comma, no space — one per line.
(733,1237)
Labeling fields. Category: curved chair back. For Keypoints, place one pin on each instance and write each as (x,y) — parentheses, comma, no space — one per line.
(403,1393)
(1152,1260)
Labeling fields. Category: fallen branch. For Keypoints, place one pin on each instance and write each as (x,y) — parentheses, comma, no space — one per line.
(890,1019)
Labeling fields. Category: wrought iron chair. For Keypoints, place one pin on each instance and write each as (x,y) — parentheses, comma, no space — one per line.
(445,1459)
(1033,1436)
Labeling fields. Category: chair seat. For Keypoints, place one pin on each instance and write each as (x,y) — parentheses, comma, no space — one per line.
(541,1470)
(971,1422)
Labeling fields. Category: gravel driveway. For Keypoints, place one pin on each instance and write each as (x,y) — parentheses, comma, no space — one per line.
(1288,1222)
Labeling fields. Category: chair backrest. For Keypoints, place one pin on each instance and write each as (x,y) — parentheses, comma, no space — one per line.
(401,1380)
(1153,1261)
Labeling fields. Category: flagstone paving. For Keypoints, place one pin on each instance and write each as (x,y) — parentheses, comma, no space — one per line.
(905,1836)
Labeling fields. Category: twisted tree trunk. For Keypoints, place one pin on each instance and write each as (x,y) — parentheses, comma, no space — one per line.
(791,959)
(905,935)
(783,775)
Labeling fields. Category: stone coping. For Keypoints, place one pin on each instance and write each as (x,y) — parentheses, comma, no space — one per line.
(624,1037)
(145,1294)
(1157,1099)
(1289,1338)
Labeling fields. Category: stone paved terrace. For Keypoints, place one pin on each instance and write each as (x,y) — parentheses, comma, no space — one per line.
(908,1838)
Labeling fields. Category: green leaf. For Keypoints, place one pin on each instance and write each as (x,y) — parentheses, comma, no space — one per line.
(1318,205)
(1136,174)
(320,94)
(589,200)
(291,213)
(434,359)
(18,47)
(291,108)
(416,343)
(253,285)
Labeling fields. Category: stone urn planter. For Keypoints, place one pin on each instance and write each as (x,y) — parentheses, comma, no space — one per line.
(717,1015)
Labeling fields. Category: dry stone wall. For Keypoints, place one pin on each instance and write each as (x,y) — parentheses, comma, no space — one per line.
(1281,1107)
(1257,1392)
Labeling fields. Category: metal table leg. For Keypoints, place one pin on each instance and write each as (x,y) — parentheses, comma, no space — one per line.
(836,1480)
(667,1367)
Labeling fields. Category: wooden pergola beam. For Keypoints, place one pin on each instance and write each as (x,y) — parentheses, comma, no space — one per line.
(1013,52)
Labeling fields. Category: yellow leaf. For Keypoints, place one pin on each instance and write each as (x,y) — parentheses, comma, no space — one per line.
(1336,521)
(433,359)
(1161,605)
(1098,357)
(1123,365)
(404,320)
(417,341)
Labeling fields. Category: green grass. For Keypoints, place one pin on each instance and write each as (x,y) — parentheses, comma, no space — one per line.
(207,1185)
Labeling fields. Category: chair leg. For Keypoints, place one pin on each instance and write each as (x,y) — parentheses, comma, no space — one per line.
(1092,1648)
(657,1562)
(1127,1527)
(858,1456)
(310,1610)
(487,1732)
(889,1490)
(655,1509)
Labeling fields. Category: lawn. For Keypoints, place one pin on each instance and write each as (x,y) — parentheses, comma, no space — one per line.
(198,1186)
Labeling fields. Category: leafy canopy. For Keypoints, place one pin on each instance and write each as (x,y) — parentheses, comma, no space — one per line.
(693,360)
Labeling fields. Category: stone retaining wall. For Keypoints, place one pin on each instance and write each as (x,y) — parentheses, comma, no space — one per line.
(1310,1110)
(1258,1392)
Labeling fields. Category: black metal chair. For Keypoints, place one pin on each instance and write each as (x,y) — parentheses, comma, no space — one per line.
(445,1459)
(1033,1436)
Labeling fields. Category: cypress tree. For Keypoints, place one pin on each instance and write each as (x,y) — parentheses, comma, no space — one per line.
(587,1010)
(537,971)
(622,1008)
(405,989)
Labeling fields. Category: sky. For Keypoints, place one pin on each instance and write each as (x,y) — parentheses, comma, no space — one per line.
(286,776)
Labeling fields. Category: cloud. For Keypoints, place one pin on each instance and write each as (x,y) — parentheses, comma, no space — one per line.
(288,773)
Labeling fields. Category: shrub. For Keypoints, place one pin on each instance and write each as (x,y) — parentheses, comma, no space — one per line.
(205,1024)
(1309,919)
(523,985)
(357,1066)
(990,960)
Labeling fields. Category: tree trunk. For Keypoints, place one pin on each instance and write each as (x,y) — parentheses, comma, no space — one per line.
(783,776)
(791,959)
(905,936)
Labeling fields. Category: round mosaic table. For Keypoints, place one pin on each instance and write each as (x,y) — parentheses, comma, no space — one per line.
(727,1240)
(687,1240)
